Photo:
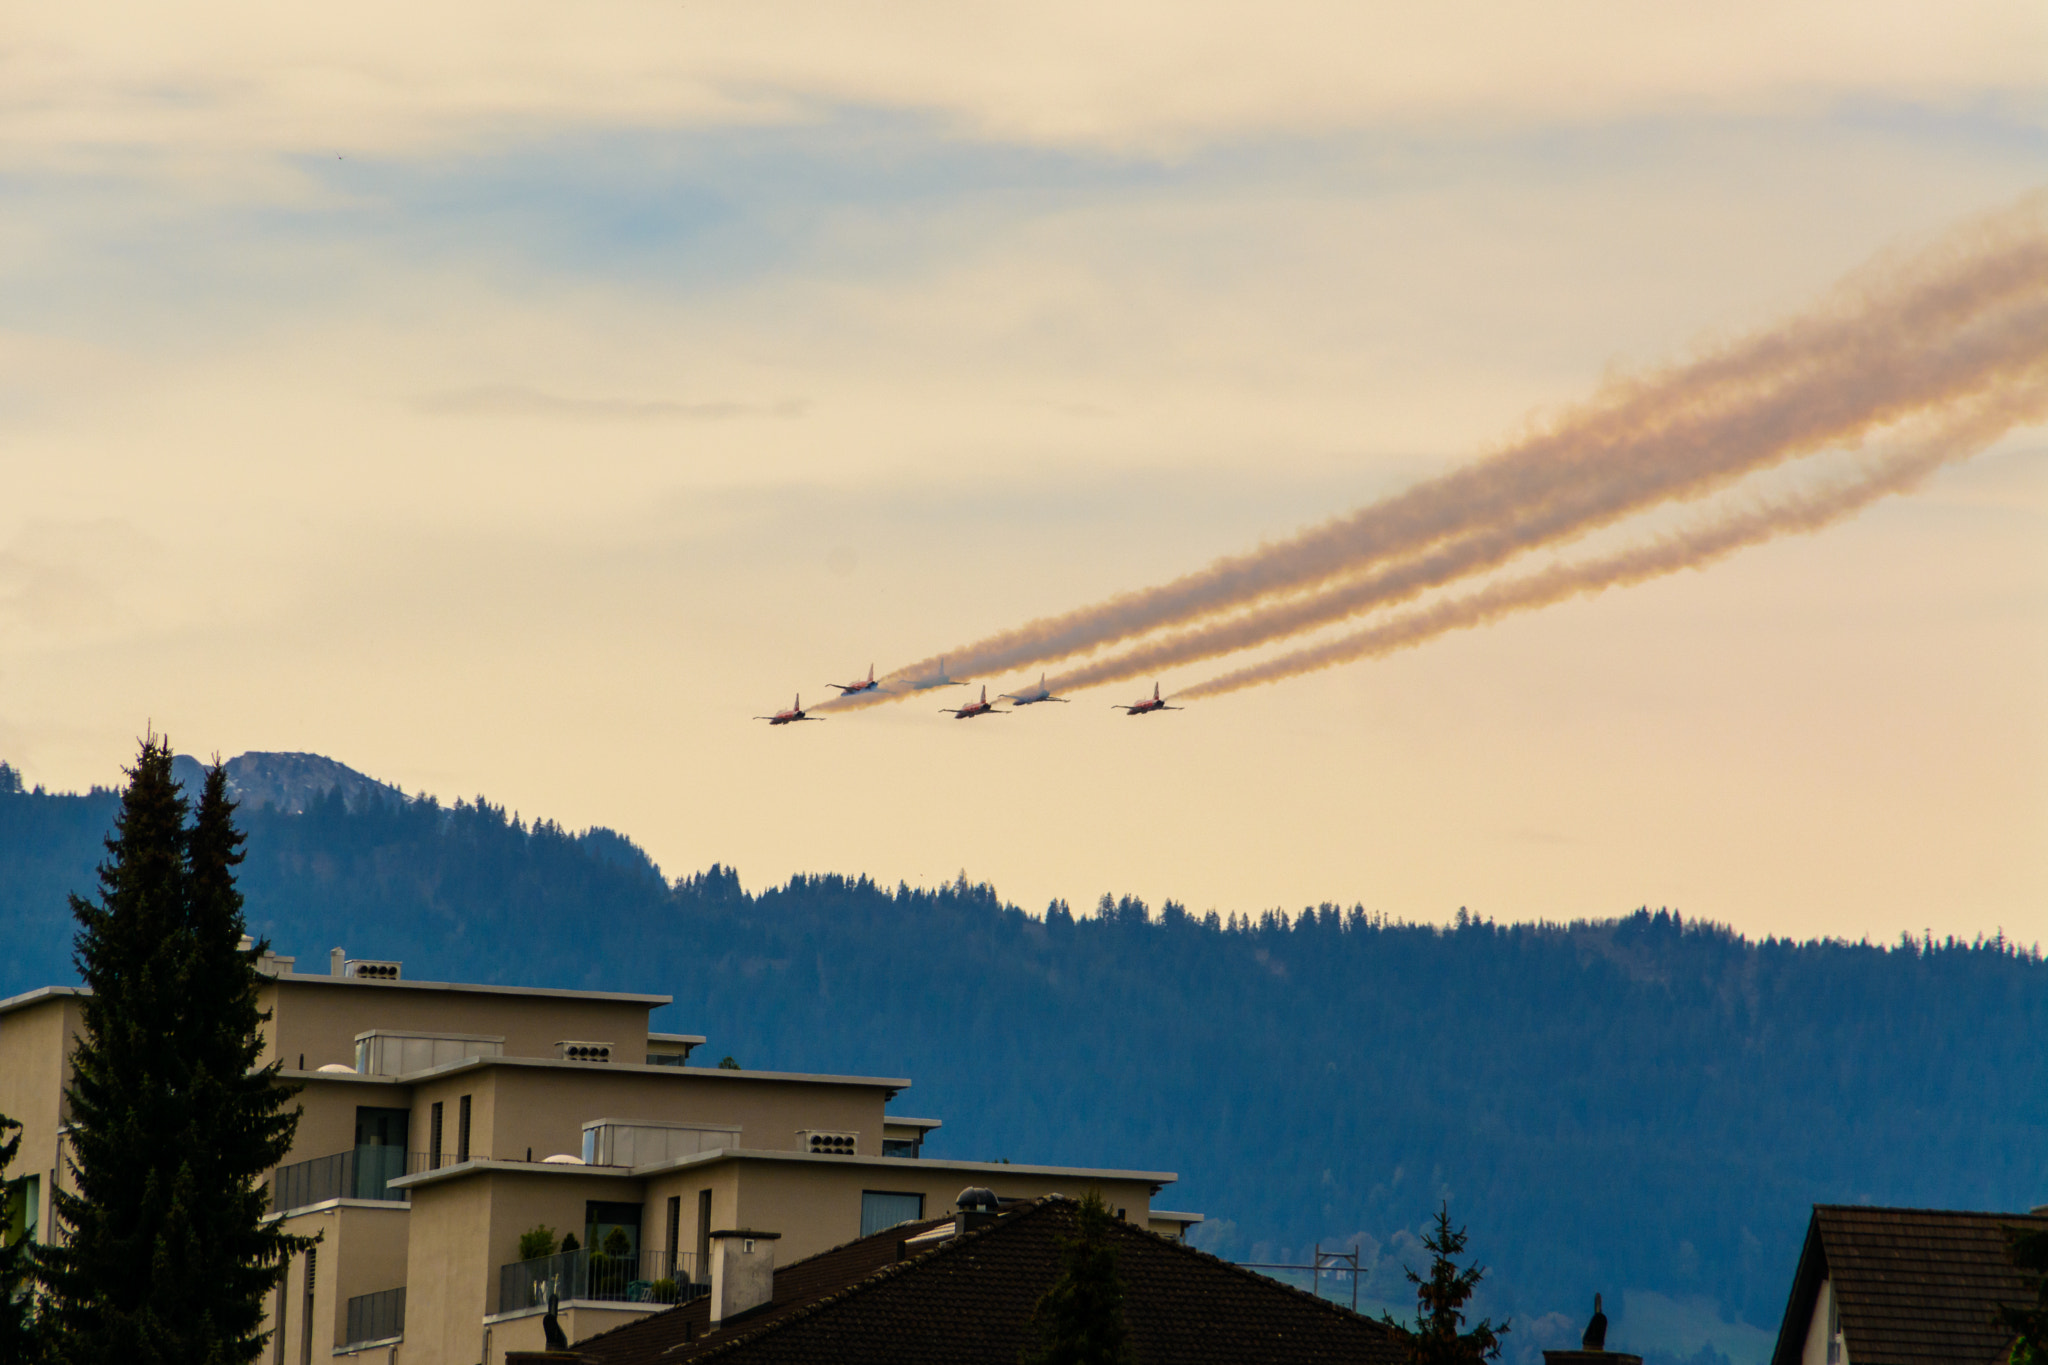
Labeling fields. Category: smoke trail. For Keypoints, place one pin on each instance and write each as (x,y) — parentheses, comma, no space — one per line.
(1483,549)
(1957,437)
(1901,336)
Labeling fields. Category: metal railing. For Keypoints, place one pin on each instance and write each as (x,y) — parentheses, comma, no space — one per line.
(360,1173)
(376,1317)
(636,1277)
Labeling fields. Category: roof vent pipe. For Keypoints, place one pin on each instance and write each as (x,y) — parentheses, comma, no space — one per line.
(978,1207)
(336,958)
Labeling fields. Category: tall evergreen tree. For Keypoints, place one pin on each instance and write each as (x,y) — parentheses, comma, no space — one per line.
(1080,1321)
(15,1323)
(1439,1337)
(2029,1321)
(166,1262)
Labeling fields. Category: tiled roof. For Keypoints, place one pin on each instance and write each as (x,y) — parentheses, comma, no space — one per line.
(970,1299)
(1915,1286)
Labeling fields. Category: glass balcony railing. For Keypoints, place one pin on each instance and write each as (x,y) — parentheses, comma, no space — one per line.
(359,1173)
(376,1317)
(636,1277)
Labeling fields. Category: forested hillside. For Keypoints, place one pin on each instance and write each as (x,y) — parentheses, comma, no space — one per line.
(1645,1106)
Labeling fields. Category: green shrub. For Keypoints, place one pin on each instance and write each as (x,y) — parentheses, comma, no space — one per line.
(536,1242)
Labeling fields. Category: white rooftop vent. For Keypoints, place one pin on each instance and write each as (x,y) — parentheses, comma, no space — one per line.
(365,969)
(580,1050)
(826,1142)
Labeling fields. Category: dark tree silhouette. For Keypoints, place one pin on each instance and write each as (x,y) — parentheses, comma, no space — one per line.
(165,1259)
(1438,1337)
(1080,1321)
(16,1324)
(2029,1322)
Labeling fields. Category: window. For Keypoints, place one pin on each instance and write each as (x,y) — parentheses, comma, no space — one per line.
(434,1137)
(675,1235)
(306,1317)
(462,1129)
(21,1211)
(703,1268)
(883,1209)
(905,1147)
(1834,1329)
(380,1151)
(602,1219)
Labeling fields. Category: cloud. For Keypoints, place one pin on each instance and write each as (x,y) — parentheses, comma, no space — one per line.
(518,400)
(231,74)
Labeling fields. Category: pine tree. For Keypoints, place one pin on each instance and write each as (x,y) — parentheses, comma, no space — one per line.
(1080,1321)
(165,1261)
(15,1323)
(2029,1321)
(1438,1338)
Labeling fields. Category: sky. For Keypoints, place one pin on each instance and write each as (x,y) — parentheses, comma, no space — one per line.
(516,399)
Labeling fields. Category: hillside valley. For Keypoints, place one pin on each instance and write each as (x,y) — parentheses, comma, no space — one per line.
(1635,1103)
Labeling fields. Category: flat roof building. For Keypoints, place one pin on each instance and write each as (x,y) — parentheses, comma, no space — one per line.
(442,1121)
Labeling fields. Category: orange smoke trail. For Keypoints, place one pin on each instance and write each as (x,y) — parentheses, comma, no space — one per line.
(1904,335)
(1955,438)
(1794,423)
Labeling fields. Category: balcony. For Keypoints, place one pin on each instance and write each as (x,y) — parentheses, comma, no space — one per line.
(375,1318)
(635,1277)
(360,1173)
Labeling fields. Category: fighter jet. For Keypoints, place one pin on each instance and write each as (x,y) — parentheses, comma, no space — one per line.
(1031,696)
(1147,705)
(794,714)
(849,689)
(937,680)
(984,707)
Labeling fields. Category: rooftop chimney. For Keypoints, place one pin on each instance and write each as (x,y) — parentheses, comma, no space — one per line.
(978,1207)
(742,1272)
(336,959)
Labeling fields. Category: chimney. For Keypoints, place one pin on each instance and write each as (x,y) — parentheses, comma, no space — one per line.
(742,1272)
(336,958)
(978,1207)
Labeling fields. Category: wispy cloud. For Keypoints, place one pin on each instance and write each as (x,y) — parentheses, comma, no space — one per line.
(518,400)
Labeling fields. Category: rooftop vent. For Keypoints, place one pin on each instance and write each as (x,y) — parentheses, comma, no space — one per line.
(582,1050)
(978,1208)
(827,1143)
(363,969)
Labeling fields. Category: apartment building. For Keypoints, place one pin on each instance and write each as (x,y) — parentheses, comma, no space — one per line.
(443,1120)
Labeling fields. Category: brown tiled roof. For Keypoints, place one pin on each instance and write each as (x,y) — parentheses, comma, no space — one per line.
(970,1300)
(1915,1286)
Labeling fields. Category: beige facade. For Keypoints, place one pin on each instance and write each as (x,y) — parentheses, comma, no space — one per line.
(533,1108)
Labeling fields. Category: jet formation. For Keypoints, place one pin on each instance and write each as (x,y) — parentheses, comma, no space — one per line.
(1029,696)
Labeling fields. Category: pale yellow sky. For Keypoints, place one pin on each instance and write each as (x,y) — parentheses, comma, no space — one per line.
(516,400)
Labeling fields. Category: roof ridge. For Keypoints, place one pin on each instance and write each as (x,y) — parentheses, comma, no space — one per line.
(1265,1280)
(689,1303)
(877,1278)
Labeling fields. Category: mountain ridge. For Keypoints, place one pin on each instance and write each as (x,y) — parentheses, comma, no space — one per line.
(1322,1077)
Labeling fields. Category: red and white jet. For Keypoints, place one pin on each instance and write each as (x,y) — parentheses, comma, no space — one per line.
(791,716)
(849,689)
(984,707)
(1031,696)
(1147,705)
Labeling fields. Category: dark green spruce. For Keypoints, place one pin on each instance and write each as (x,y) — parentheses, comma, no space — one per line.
(1080,1321)
(165,1261)
(1439,1336)
(15,1325)
(2029,1321)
